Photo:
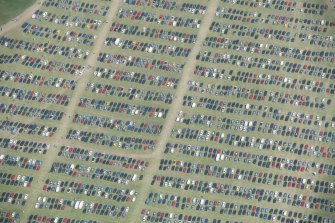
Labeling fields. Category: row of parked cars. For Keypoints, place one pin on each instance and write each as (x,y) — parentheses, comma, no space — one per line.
(117,124)
(268,49)
(19,161)
(9,216)
(30,129)
(89,208)
(42,64)
(141,62)
(40,31)
(154,48)
(46,16)
(152,32)
(31,95)
(91,172)
(264,161)
(24,146)
(37,80)
(45,47)
(130,93)
(264,79)
(13,198)
(116,194)
(248,193)
(82,7)
(131,108)
(118,141)
(100,158)
(260,177)
(162,19)
(26,111)
(229,208)
(42,218)
(16,180)
(162,216)
(266,128)
(171,5)
(135,77)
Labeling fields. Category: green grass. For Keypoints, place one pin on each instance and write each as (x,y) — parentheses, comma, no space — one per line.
(15,7)
(12,8)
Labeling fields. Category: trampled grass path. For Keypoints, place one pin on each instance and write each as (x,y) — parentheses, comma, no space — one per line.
(173,112)
(69,112)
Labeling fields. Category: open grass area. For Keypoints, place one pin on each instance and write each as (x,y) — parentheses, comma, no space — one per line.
(12,8)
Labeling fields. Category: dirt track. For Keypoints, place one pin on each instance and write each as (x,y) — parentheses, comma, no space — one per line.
(174,110)
(70,109)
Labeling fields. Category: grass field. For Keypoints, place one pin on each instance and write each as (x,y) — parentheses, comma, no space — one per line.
(12,8)
(239,140)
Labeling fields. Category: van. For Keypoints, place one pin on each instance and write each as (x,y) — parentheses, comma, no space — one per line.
(81,204)
(117,41)
(222,157)
(76,206)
